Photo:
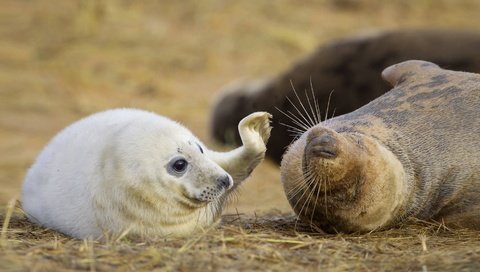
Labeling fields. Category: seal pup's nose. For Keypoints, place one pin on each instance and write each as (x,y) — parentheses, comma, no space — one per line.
(323,146)
(224,182)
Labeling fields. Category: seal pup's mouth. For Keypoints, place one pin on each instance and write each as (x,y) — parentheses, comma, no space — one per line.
(193,201)
(212,192)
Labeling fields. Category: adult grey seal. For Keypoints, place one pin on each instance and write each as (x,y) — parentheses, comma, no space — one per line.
(349,66)
(412,152)
(136,172)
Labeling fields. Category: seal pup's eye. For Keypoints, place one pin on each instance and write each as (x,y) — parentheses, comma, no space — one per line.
(178,166)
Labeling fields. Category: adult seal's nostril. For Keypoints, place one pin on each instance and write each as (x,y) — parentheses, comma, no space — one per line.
(224,182)
(323,146)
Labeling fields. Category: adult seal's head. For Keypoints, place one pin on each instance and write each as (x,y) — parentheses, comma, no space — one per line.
(342,181)
(131,171)
(412,152)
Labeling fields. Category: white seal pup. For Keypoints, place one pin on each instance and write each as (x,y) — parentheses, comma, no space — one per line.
(132,170)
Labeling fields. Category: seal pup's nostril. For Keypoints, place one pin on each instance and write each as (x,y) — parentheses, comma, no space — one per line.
(224,182)
(323,146)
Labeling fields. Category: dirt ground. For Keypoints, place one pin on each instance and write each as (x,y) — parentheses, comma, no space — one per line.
(62,60)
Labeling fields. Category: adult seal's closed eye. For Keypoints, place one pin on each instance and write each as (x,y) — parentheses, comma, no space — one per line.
(413,152)
(133,171)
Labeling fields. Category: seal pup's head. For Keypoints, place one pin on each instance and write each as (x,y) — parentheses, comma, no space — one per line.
(159,180)
(342,181)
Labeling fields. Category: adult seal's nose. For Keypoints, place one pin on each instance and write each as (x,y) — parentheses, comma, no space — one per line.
(224,182)
(323,146)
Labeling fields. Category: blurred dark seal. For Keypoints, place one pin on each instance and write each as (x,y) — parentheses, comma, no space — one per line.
(351,67)
(414,152)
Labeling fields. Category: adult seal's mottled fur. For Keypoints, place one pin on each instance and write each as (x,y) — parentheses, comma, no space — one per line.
(413,152)
(132,171)
(350,67)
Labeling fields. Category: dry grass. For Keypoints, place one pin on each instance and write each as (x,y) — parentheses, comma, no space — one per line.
(273,241)
(61,60)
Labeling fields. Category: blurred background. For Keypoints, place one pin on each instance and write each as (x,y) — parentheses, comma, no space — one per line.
(62,60)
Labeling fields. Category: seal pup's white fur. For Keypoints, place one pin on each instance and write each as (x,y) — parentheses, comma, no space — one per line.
(132,170)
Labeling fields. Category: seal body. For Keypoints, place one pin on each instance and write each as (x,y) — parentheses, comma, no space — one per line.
(413,152)
(133,171)
(349,67)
